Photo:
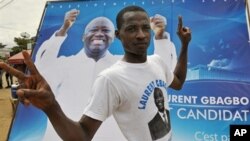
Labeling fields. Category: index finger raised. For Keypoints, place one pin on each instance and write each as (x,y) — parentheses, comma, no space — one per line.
(179,23)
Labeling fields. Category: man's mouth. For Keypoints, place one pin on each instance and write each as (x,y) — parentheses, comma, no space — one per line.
(98,42)
(160,104)
(141,44)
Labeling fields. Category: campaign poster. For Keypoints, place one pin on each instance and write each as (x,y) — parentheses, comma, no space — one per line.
(215,94)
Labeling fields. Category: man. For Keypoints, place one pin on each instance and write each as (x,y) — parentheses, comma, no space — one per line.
(9,79)
(117,91)
(63,72)
(159,126)
(94,57)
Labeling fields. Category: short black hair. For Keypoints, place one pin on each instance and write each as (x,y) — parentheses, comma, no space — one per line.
(119,17)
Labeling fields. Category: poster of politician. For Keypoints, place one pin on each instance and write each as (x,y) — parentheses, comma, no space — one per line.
(216,91)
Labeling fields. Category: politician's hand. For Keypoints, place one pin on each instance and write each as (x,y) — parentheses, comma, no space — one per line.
(69,19)
(158,24)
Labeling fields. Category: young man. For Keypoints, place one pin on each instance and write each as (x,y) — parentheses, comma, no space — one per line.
(123,90)
(62,73)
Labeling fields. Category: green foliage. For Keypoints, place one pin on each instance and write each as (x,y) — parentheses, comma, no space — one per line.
(2,58)
(15,50)
(21,44)
(2,45)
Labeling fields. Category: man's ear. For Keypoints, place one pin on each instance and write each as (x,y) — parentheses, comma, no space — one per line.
(117,35)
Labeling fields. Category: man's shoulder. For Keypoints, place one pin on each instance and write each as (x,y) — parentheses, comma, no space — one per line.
(112,70)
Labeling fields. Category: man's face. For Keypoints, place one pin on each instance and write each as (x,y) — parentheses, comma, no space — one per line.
(98,35)
(159,100)
(135,33)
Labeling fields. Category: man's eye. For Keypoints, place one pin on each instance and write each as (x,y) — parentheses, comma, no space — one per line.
(146,28)
(93,30)
(131,29)
(106,30)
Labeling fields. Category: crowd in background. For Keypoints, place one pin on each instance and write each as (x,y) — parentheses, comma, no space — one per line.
(4,76)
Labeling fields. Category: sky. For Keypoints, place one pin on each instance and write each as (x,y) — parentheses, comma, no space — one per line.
(17,16)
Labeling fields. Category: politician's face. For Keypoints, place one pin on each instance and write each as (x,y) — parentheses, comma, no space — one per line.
(159,100)
(98,36)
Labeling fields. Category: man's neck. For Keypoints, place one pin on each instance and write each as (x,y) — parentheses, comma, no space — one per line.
(132,58)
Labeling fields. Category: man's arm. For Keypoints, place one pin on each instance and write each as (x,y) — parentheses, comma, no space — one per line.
(69,130)
(35,90)
(158,26)
(69,20)
(164,47)
(49,49)
(180,71)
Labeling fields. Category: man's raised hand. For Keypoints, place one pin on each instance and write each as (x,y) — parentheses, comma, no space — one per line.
(158,24)
(33,88)
(69,19)
(184,33)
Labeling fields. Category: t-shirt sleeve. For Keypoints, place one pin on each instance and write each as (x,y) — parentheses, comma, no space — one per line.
(104,99)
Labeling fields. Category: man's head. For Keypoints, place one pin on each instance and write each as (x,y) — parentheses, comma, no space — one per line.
(98,35)
(159,99)
(133,29)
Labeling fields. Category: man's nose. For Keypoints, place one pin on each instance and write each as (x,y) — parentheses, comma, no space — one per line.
(99,33)
(140,34)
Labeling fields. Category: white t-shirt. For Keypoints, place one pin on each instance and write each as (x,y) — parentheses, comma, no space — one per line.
(125,91)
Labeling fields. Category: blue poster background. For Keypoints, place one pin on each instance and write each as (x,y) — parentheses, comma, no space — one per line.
(216,93)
